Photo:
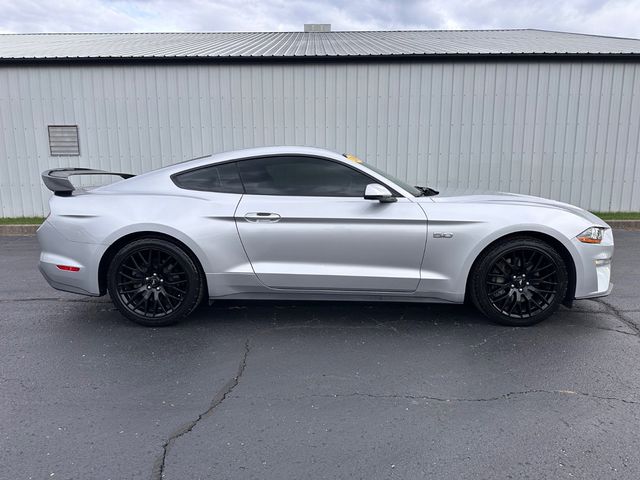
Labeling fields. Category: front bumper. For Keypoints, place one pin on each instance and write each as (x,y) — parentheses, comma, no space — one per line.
(594,268)
(599,294)
(58,250)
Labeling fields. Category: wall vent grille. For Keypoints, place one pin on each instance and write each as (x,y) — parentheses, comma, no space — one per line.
(63,140)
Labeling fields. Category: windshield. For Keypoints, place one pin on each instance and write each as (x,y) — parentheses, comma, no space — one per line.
(402,184)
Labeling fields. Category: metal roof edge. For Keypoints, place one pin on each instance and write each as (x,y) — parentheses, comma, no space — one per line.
(271,31)
(497,56)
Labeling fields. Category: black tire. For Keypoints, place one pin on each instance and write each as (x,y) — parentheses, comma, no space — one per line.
(154,282)
(519,282)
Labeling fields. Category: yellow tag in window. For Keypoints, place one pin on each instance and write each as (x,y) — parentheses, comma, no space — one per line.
(353,158)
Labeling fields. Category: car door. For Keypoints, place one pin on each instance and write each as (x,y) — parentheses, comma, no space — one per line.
(305,225)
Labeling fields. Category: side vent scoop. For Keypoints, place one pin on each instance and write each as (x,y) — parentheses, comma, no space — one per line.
(57,179)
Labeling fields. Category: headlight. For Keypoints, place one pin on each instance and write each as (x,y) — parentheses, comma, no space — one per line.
(592,235)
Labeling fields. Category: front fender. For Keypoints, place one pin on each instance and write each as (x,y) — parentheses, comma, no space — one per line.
(449,258)
(522,228)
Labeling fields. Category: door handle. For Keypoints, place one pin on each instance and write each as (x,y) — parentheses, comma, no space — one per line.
(259,217)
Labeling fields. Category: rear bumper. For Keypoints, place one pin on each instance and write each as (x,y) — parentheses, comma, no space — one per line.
(58,250)
(55,280)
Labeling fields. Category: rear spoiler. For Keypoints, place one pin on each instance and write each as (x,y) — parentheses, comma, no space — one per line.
(57,179)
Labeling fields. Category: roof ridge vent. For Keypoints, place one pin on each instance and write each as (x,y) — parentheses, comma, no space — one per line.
(317,27)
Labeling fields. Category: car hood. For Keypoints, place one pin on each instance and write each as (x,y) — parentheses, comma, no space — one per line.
(503,198)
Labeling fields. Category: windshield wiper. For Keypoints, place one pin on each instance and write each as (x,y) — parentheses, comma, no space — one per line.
(426,191)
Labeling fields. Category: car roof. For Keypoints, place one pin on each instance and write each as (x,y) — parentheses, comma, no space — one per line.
(235,155)
(149,180)
(256,152)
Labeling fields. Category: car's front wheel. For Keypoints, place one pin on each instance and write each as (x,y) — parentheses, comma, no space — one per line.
(519,282)
(154,282)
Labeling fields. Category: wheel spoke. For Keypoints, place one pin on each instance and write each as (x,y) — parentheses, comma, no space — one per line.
(538,306)
(146,305)
(173,286)
(543,268)
(519,305)
(133,260)
(542,297)
(546,276)
(137,289)
(128,276)
(172,296)
(497,299)
(133,269)
(545,291)
(165,262)
(528,308)
(159,300)
(499,267)
(168,297)
(139,302)
(537,265)
(513,304)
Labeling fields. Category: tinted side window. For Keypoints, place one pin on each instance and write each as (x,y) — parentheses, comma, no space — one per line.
(216,178)
(301,176)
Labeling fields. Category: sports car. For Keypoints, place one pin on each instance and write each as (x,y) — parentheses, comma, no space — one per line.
(298,223)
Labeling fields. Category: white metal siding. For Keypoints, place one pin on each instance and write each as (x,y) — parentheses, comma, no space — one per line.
(563,130)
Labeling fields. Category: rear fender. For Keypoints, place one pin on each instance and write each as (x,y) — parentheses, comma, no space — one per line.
(151,228)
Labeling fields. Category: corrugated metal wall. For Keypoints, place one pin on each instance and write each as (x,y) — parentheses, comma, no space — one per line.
(568,131)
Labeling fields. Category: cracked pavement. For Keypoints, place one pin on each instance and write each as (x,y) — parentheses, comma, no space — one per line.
(291,390)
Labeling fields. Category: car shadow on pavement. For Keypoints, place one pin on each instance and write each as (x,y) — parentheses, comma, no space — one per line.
(282,313)
(265,314)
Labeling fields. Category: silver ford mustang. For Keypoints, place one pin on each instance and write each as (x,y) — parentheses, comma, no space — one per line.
(306,223)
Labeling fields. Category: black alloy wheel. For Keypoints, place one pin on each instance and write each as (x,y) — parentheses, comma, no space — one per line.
(154,282)
(519,282)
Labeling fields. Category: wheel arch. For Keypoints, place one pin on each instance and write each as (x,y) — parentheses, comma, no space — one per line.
(111,251)
(554,242)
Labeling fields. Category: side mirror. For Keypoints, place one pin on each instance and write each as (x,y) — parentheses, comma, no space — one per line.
(375,191)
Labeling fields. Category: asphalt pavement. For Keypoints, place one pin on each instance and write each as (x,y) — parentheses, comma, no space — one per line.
(293,390)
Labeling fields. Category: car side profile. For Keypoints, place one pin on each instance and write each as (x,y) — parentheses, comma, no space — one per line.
(306,223)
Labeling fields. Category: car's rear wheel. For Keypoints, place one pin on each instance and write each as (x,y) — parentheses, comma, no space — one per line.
(519,282)
(154,282)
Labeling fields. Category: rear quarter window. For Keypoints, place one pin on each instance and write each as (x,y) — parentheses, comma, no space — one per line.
(214,178)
